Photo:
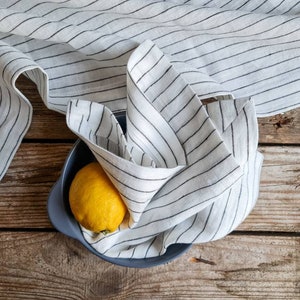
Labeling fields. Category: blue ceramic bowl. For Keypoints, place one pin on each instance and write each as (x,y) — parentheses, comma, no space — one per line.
(61,217)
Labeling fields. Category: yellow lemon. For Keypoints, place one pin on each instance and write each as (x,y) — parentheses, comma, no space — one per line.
(95,202)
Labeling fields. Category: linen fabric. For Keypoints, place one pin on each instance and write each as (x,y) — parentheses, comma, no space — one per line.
(192,169)
(187,172)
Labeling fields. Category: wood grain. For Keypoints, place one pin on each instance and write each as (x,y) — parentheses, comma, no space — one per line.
(279,129)
(52,266)
(25,188)
(277,208)
(258,261)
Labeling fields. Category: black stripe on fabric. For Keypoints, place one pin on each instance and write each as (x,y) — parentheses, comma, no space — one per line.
(9,15)
(58,31)
(268,78)
(110,131)
(68,64)
(41,3)
(149,141)
(205,140)
(9,108)
(11,61)
(240,53)
(190,119)
(222,116)
(197,32)
(237,43)
(28,40)
(257,58)
(142,58)
(28,67)
(148,23)
(81,83)
(205,224)
(80,123)
(237,207)
(292,7)
(225,4)
(232,140)
(144,238)
(265,68)
(173,99)
(135,144)
(74,52)
(245,3)
(98,69)
(167,87)
(275,7)
(8,52)
(100,121)
(226,37)
(83,93)
(133,252)
(158,79)
(223,214)
(186,29)
(68,8)
(211,167)
(276,87)
(154,127)
(10,6)
(90,111)
(70,109)
(108,47)
(133,175)
(21,23)
(137,200)
(186,230)
(118,19)
(18,138)
(183,107)
(129,186)
(135,212)
(151,68)
(190,207)
(248,134)
(260,5)
(197,130)
(150,245)
(248,170)
(279,110)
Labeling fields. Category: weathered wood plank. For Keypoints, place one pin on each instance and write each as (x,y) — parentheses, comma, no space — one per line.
(278,205)
(24,189)
(52,266)
(281,129)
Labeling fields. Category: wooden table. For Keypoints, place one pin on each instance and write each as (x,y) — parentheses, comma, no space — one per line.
(259,260)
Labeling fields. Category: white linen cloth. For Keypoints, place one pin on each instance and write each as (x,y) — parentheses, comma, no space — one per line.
(187,172)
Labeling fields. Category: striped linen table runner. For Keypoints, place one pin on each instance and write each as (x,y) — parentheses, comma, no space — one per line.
(188,172)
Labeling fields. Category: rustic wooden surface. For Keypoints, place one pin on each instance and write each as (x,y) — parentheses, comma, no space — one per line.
(260,260)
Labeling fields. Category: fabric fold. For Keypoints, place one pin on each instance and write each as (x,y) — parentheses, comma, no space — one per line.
(188,172)
(137,183)
(196,148)
(81,50)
